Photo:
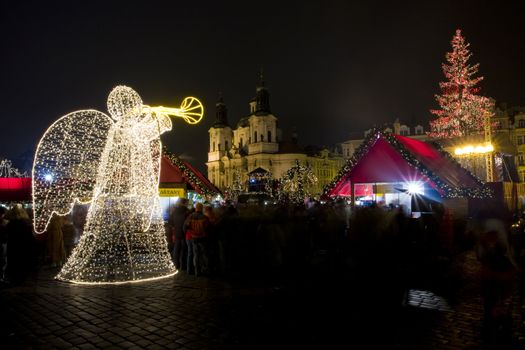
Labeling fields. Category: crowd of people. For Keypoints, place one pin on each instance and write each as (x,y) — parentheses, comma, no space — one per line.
(382,246)
(23,251)
(194,239)
(286,238)
(18,253)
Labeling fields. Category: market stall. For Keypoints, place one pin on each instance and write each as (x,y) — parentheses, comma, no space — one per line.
(179,179)
(392,170)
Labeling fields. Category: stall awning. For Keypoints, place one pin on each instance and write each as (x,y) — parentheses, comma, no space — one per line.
(15,189)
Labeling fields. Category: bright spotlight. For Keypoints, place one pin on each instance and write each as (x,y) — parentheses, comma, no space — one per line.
(415,188)
(48,177)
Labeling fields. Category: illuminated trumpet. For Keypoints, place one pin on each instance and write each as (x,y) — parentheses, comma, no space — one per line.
(191,110)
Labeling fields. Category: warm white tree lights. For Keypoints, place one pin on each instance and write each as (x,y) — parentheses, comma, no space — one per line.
(8,170)
(295,185)
(113,163)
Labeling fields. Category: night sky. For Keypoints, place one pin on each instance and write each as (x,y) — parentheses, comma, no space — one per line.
(332,68)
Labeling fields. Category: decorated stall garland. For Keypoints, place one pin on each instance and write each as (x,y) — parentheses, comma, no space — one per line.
(189,175)
(447,190)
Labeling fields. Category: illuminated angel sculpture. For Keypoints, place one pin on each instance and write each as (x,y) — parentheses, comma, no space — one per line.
(113,163)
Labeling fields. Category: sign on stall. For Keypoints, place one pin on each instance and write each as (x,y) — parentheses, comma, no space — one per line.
(172,192)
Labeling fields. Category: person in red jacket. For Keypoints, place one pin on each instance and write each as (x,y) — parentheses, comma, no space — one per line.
(196,227)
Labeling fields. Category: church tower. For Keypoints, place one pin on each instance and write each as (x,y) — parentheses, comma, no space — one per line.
(220,133)
(258,132)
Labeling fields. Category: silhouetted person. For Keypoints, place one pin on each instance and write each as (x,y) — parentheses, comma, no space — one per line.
(212,243)
(176,222)
(3,243)
(497,272)
(56,253)
(225,232)
(69,233)
(21,257)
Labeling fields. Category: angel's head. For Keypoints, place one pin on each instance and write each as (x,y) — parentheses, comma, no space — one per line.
(124,103)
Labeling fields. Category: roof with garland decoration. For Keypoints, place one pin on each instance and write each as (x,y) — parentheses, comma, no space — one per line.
(386,157)
(174,169)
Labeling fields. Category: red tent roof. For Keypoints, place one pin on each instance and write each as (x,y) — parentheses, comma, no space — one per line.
(445,167)
(169,172)
(15,189)
(385,157)
(175,170)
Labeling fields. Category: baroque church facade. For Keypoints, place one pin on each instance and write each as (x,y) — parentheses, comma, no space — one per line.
(256,145)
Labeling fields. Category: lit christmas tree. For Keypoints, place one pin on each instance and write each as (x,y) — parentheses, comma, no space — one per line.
(237,187)
(295,184)
(462,110)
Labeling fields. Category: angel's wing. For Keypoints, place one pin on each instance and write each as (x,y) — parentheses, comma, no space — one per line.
(66,163)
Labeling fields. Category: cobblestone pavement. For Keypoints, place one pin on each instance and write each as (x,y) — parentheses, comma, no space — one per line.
(185,312)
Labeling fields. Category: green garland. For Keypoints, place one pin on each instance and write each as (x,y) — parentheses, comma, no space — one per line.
(189,175)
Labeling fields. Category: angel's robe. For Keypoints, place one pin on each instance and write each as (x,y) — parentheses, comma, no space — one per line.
(124,237)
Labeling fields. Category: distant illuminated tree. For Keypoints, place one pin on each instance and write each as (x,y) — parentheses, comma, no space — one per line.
(295,184)
(7,169)
(462,111)
(237,187)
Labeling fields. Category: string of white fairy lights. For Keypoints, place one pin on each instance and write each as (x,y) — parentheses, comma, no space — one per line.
(113,163)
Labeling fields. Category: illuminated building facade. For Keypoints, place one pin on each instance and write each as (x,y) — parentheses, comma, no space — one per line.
(256,143)
(416,132)
(511,129)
